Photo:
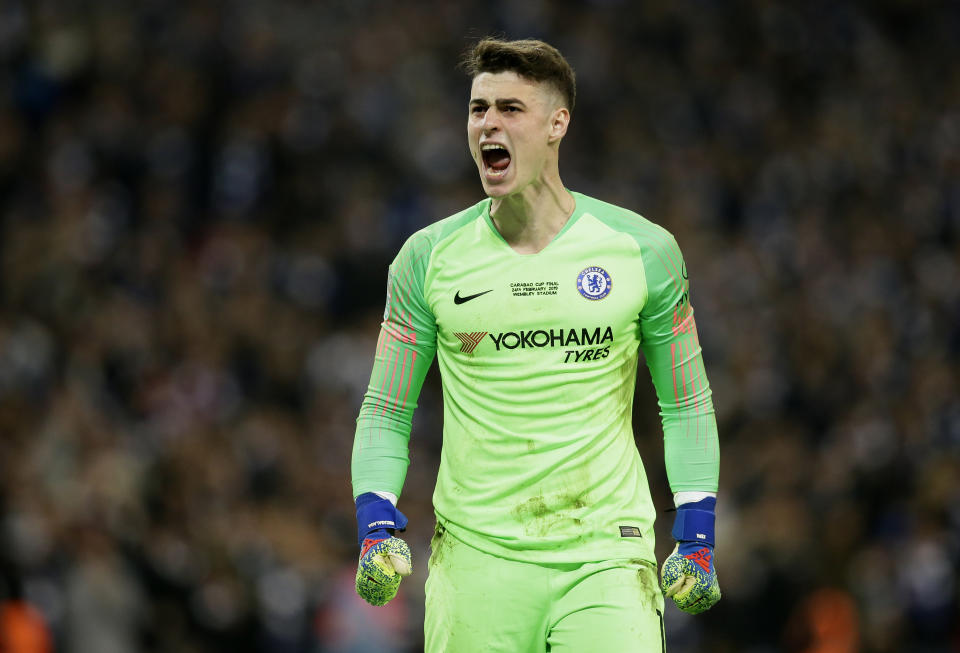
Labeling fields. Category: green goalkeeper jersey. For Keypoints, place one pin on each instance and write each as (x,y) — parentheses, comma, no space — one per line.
(538,359)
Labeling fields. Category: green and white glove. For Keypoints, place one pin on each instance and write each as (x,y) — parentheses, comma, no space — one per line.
(688,575)
(384,559)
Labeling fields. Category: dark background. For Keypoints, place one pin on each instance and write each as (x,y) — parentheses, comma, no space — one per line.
(198,202)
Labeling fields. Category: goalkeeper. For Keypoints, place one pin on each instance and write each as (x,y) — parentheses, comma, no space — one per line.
(535,303)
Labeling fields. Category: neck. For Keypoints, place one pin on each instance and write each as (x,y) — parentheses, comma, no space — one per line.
(530,219)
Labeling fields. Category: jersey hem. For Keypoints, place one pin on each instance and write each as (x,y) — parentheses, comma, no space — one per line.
(629,549)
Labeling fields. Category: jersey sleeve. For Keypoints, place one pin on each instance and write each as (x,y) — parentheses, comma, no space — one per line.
(405,350)
(671,346)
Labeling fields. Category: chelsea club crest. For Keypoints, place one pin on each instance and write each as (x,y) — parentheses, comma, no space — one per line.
(594,283)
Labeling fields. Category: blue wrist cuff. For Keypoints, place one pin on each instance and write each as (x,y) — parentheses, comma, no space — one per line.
(377,515)
(695,522)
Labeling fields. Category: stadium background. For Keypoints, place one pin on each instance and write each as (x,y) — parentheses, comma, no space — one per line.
(198,202)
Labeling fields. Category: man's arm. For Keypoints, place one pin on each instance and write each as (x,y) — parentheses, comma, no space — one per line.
(691,448)
(405,349)
(672,349)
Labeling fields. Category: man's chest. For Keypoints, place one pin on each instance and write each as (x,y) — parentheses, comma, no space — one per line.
(570,298)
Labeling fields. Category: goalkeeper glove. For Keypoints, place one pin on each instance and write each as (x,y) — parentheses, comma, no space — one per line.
(384,559)
(688,575)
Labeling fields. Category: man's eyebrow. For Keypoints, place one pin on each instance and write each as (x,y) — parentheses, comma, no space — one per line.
(499,101)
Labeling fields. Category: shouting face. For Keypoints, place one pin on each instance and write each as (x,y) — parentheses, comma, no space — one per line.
(514,131)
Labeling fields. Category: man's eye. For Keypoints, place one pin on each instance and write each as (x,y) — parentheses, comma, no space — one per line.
(477,109)
(511,109)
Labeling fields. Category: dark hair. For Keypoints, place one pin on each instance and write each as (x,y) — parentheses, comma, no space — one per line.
(529,58)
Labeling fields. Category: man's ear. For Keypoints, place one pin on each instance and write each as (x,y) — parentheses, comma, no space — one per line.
(559,122)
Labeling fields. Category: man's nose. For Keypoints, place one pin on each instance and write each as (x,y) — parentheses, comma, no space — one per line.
(491,120)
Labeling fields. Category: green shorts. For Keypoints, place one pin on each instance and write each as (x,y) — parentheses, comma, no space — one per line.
(481,602)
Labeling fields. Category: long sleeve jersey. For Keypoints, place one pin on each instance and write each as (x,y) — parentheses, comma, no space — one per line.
(538,360)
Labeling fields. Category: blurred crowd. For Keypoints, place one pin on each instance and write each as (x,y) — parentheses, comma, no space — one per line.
(198,203)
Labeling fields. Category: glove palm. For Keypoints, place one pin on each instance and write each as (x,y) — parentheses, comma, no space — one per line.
(688,575)
(383,563)
(689,578)
(384,559)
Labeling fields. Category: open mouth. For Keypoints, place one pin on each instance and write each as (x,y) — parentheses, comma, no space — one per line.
(496,159)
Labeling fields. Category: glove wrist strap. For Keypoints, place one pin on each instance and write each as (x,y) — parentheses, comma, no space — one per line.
(374,514)
(695,522)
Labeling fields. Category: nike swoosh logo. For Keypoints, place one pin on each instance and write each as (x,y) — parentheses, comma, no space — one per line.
(457,299)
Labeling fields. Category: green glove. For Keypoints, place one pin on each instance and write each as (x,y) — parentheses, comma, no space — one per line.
(688,575)
(684,579)
(384,559)
(383,563)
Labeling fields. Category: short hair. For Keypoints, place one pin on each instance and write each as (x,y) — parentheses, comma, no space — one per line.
(529,58)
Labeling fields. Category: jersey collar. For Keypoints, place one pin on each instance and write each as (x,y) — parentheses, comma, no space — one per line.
(577,212)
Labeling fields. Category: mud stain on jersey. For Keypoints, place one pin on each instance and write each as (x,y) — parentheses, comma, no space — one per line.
(575,501)
(533,508)
(440,544)
(555,513)
(647,580)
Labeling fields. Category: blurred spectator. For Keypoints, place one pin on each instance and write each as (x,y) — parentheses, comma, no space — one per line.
(104,605)
(347,624)
(825,622)
(22,627)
